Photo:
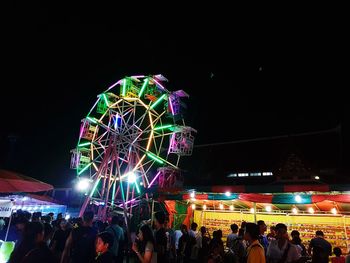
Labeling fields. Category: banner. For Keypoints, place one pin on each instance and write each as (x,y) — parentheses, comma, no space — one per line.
(5,208)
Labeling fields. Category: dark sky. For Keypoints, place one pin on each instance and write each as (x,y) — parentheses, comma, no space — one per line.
(249,74)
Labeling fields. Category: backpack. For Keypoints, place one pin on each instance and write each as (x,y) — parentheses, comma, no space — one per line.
(236,252)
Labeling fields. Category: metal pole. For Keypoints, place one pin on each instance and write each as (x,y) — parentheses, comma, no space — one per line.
(254,205)
(8,227)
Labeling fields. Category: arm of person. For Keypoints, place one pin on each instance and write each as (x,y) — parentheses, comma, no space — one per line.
(310,247)
(146,258)
(66,252)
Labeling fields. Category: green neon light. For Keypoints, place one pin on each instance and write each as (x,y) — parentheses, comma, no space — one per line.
(91,119)
(122,189)
(84,169)
(154,157)
(113,192)
(124,87)
(137,187)
(105,98)
(145,83)
(157,101)
(95,186)
(163,127)
(84,144)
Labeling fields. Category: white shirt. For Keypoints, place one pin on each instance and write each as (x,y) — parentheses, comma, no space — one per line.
(177,235)
(274,253)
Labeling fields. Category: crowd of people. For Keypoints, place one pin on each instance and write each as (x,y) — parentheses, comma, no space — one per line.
(42,239)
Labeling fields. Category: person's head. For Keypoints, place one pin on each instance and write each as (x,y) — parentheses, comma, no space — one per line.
(215,247)
(251,232)
(262,226)
(145,234)
(20,223)
(319,233)
(183,229)
(115,220)
(281,231)
(48,232)
(88,217)
(241,232)
(63,224)
(160,219)
(295,233)
(337,251)
(104,241)
(194,226)
(243,224)
(234,228)
(219,234)
(203,230)
(273,230)
(59,216)
(34,232)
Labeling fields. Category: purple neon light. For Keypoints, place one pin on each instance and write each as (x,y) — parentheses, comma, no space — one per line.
(160,85)
(115,84)
(172,142)
(132,200)
(150,184)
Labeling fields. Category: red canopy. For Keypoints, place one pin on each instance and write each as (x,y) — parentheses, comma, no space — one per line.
(11,182)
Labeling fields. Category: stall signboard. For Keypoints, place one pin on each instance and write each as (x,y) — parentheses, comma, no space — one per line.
(5,208)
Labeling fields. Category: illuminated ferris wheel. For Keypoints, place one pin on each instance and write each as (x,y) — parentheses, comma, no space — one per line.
(132,138)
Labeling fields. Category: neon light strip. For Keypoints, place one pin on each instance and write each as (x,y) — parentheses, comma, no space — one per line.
(154,157)
(113,191)
(84,144)
(138,76)
(162,127)
(149,186)
(132,200)
(115,84)
(84,169)
(157,101)
(160,85)
(95,186)
(105,98)
(124,87)
(151,134)
(143,87)
(139,162)
(171,105)
(91,119)
(171,142)
(95,167)
(137,187)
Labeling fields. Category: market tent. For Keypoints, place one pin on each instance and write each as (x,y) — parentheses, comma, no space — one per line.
(12,182)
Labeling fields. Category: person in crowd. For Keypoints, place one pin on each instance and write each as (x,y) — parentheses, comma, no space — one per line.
(32,248)
(56,223)
(145,250)
(104,242)
(338,256)
(215,255)
(281,250)
(80,245)
(160,237)
(175,242)
(118,239)
(320,248)
(41,252)
(296,240)
(262,237)
(185,247)
(204,245)
(217,241)
(255,251)
(231,237)
(59,238)
(272,234)
(347,258)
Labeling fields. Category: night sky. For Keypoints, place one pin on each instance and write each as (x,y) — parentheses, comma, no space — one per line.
(248,74)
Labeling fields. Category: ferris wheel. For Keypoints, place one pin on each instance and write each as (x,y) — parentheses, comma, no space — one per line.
(132,139)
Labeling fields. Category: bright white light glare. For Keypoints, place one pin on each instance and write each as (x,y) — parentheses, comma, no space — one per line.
(232,207)
(227,193)
(294,210)
(334,211)
(83,184)
(204,207)
(317,177)
(311,210)
(297,198)
(67,216)
(252,210)
(131,177)
(193,206)
(221,206)
(268,208)
(192,195)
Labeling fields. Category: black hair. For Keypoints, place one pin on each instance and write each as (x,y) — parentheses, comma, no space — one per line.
(253,230)
(295,233)
(260,222)
(147,235)
(319,233)
(115,220)
(160,216)
(337,251)
(88,216)
(107,238)
(281,226)
(194,226)
(234,227)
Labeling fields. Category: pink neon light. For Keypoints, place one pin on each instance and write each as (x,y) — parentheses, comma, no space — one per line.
(153,179)
(138,76)
(172,139)
(171,105)
(132,200)
(160,85)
